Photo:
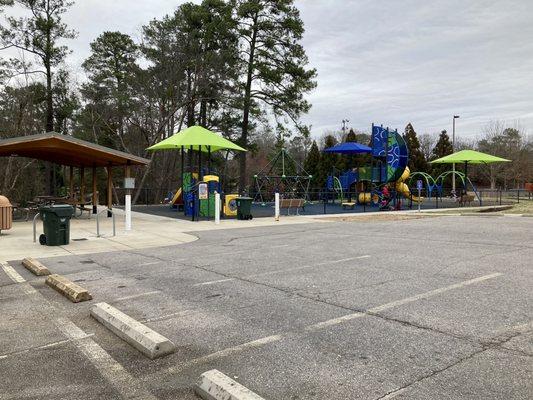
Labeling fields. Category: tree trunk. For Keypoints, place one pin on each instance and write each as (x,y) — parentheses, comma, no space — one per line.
(190,106)
(247,106)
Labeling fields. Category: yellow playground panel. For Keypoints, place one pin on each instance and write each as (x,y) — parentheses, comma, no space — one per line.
(230,205)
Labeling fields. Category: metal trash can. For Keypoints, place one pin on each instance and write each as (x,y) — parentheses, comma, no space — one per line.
(244,207)
(56,224)
(6,214)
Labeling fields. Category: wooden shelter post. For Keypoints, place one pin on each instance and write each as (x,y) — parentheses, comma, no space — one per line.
(71,182)
(82,186)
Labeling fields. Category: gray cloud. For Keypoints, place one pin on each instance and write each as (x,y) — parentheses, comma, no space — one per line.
(388,62)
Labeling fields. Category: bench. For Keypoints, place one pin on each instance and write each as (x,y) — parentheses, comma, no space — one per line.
(466,198)
(289,203)
(348,204)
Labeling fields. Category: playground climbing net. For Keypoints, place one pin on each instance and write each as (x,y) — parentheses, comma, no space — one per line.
(284,175)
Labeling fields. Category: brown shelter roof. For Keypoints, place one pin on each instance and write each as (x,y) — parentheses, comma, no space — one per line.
(66,150)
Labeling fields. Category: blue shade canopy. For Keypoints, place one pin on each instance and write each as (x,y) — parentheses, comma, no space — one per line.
(349,148)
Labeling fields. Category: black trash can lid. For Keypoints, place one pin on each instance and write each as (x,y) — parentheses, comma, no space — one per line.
(61,210)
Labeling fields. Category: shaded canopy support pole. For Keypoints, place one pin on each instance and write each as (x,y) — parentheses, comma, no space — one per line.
(182,169)
(209,160)
(190,170)
(82,186)
(71,181)
(466,177)
(95,194)
(200,173)
(109,190)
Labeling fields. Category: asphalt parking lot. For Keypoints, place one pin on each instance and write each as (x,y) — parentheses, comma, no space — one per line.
(431,308)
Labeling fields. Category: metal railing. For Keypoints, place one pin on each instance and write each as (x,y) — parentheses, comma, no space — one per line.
(109,211)
(35,227)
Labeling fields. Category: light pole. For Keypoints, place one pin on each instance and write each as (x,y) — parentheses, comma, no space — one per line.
(453,150)
(344,121)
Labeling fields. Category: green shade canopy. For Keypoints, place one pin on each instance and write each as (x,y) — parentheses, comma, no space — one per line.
(470,157)
(199,138)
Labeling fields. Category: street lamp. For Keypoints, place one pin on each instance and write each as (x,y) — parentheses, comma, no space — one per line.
(453,148)
(344,122)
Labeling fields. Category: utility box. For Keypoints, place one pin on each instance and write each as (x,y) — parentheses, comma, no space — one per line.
(6,214)
(56,224)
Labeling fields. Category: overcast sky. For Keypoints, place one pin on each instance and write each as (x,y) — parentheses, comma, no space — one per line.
(387,62)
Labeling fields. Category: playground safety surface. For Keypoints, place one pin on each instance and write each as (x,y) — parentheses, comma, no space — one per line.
(429,308)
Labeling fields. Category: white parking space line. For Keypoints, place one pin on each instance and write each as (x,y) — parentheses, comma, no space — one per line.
(224,353)
(280,271)
(135,296)
(17,278)
(324,324)
(431,293)
(10,271)
(149,263)
(42,347)
(104,363)
(110,369)
(213,282)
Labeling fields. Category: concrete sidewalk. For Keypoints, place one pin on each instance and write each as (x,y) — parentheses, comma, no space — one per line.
(148,231)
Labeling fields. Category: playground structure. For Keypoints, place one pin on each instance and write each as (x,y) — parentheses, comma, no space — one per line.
(388,167)
(388,178)
(283,174)
(196,195)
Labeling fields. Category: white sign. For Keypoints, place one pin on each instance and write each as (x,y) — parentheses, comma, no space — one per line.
(129,183)
(202,191)
(419,184)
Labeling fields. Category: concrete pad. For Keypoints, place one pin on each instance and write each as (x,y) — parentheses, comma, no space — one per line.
(69,289)
(35,266)
(144,339)
(214,385)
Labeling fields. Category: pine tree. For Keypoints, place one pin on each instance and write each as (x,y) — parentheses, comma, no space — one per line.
(328,161)
(348,160)
(442,148)
(312,162)
(276,76)
(417,161)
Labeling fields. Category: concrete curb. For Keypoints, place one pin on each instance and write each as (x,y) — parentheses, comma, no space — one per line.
(35,266)
(144,339)
(214,385)
(69,289)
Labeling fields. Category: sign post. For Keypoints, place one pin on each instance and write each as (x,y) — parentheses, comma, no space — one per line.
(129,184)
(276,212)
(419,188)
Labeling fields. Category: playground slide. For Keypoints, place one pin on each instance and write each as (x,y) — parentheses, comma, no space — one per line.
(403,188)
(177,199)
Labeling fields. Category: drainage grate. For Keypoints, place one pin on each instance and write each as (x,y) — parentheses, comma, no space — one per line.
(79,240)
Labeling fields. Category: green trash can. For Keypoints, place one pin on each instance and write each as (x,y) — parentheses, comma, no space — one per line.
(244,207)
(56,224)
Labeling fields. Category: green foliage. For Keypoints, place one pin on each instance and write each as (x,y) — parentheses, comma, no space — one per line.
(442,148)
(328,161)
(274,64)
(312,162)
(417,161)
(40,35)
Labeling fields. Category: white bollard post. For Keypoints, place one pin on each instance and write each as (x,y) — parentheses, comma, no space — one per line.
(276,198)
(217,208)
(128,212)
